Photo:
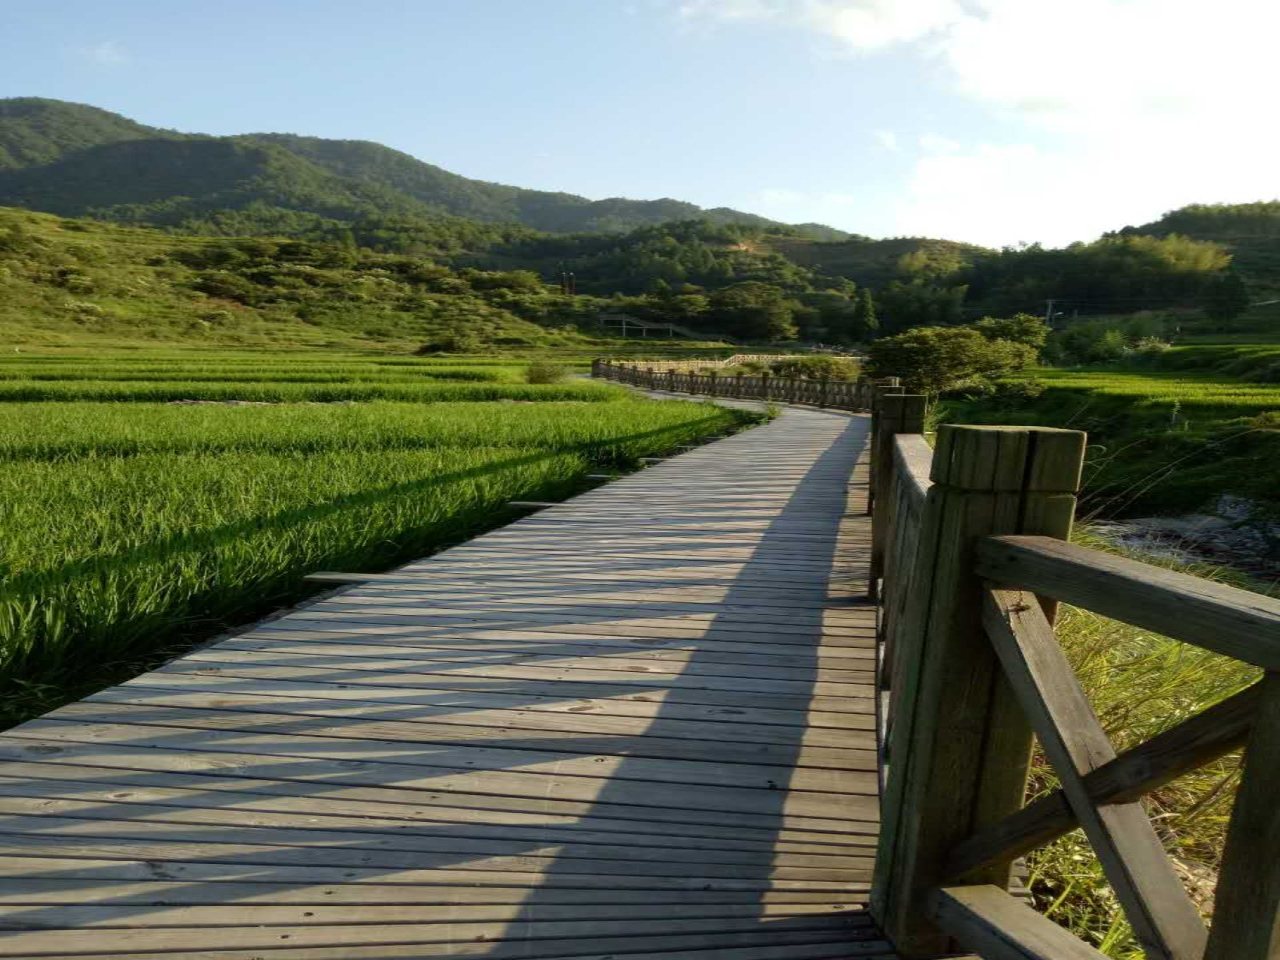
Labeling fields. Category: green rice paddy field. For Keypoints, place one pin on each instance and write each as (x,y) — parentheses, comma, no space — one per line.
(1161,441)
(147,501)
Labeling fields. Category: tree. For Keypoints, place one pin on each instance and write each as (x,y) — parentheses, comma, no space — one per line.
(753,311)
(920,304)
(936,359)
(818,367)
(1226,297)
(865,322)
(1020,328)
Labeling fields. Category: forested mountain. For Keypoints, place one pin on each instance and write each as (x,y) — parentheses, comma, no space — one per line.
(77,160)
(716,270)
(1250,232)
(37,131)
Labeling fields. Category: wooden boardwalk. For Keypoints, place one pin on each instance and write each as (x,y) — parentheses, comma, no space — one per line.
(637,725)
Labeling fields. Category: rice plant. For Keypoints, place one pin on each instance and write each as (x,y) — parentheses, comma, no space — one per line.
(126,528)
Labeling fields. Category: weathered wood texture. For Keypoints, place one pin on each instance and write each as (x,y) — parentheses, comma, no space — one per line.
(1246,918)
(1002,927)
(640,723)
(857,396)
(1130,776)
(958,743)
(1164,919)
(1224,619)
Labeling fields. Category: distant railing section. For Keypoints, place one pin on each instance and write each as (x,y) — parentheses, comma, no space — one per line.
(852,395)
(969,561)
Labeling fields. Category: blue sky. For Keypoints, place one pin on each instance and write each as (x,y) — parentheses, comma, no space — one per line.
(996,121)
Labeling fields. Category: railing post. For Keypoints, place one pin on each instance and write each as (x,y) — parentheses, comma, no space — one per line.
(712,385)
(650,380)
(899,413)
(880,388)
(737,385)
(958,746)
(1246,915)
(764,385)
(824,385)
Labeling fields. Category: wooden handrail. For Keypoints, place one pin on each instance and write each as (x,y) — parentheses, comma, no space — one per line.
(1211,615)
(853,396)
(986,918)
(975,561)
(1130,776)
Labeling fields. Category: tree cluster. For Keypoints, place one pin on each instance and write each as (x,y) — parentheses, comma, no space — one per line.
(934,360)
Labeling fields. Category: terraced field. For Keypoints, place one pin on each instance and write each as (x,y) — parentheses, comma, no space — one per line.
(132,526)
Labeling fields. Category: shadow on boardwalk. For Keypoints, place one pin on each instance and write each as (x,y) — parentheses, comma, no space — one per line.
(164,798)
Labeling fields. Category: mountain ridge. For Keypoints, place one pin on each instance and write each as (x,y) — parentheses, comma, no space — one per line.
(79,160)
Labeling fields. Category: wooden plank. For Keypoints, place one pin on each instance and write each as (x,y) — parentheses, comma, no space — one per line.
(42,891)
(489,790)
(1246,918)
(831,942)
(388,688)
(317,737)
(1236,623)
(115,941)
(1130,776)
(986,919)
(468,815)
(339,700)
(164,914)
(463,833)
(1164,919)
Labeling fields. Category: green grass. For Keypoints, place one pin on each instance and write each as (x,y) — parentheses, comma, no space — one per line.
(1160,442)
(1141,684)
(132,528)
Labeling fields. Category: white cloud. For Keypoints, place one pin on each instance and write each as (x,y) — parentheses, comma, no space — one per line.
(863,25)
(109,53)
(887,139)
(937,143)
(1127,108)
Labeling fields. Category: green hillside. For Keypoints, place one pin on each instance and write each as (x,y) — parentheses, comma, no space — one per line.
(1250,231)
(81,282)
(875,263)
(37,131)
(76,160)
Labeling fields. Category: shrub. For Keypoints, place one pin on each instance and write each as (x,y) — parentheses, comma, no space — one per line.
(935,359)
(817,368)
(544,371)
(453,341)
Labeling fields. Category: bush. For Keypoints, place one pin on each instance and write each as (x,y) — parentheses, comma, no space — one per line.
(817,368)
(454,341)
(935,359)
(544,371)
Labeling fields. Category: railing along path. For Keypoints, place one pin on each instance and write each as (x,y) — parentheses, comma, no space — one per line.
(969,561)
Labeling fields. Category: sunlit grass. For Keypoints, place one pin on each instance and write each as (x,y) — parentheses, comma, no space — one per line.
(126,528)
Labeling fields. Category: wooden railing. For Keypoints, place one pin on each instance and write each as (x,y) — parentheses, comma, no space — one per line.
(970,559)
(852,395)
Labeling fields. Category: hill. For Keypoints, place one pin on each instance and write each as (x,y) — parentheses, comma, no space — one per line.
(875,263)
(82,282)
(77,160)
(1250,232)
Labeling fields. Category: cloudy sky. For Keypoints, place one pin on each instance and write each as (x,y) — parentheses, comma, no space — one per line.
(994,121)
